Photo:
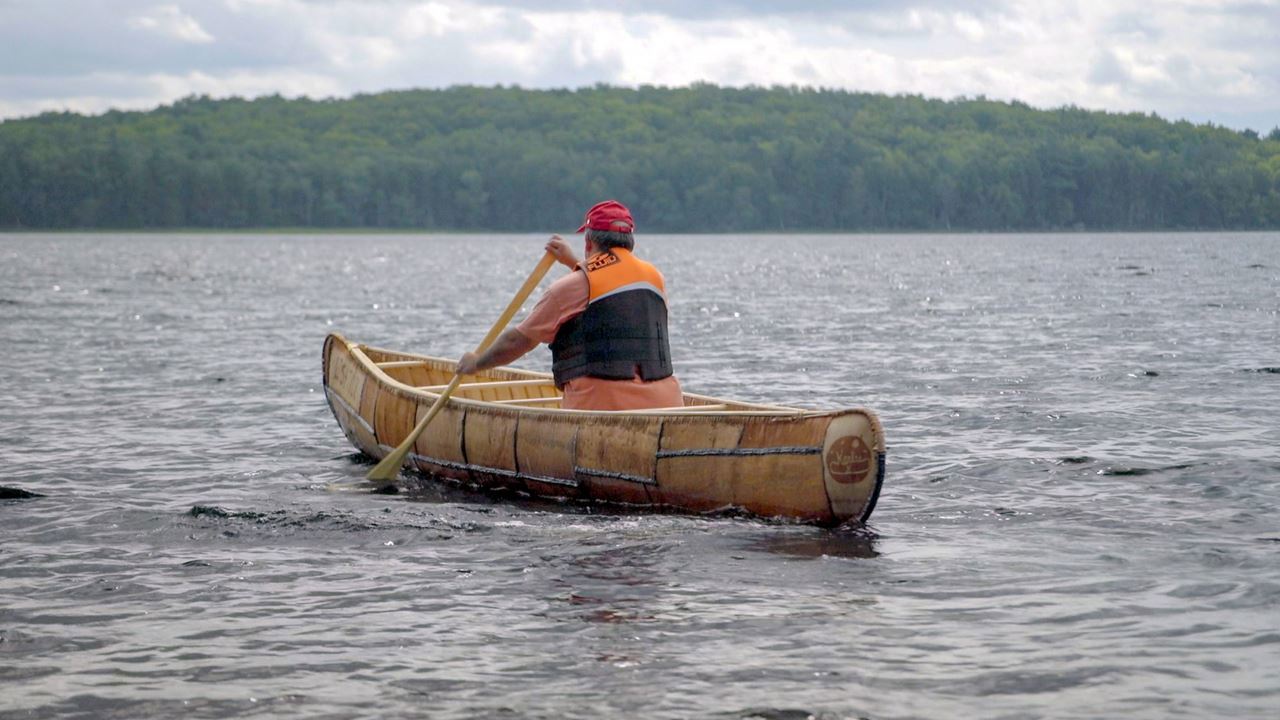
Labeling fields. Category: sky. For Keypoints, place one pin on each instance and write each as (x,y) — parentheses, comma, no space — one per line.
(1201,60)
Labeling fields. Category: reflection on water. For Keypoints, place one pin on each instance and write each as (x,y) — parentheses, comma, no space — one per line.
(853,544)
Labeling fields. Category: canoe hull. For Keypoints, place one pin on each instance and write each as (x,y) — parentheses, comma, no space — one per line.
(824,468)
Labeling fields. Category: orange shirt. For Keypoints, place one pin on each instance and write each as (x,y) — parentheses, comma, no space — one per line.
(565,300)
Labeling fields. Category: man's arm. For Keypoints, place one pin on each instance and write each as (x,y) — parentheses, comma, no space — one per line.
(513,343)
(509,346)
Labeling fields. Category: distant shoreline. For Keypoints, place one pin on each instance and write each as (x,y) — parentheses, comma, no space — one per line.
(700,158)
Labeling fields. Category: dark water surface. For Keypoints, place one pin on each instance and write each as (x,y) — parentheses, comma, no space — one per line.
(1080,516)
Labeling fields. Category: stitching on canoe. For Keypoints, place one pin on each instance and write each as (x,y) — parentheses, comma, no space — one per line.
(715,452)
(577,470)
(462,438)
(490,470)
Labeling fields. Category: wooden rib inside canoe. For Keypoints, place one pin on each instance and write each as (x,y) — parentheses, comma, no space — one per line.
(505,429)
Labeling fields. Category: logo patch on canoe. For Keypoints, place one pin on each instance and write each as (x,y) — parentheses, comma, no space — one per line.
(849,460)
(601,261)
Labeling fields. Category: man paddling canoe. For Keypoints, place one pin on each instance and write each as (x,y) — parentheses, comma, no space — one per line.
(606,323)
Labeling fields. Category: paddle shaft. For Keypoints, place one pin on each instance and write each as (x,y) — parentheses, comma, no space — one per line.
(389,467)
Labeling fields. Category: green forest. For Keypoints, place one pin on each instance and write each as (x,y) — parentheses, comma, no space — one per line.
(696,159)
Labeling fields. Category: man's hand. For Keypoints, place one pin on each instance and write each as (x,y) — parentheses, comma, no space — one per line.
(561,251)
(510,345)
(467,365)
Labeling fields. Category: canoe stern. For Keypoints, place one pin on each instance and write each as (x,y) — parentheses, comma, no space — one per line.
(853,464)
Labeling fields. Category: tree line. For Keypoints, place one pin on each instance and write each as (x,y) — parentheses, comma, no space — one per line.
(693,159)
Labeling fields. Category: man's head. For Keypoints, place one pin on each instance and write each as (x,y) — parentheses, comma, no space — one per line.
(608,224)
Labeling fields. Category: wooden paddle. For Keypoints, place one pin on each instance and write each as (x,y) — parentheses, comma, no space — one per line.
(387,470)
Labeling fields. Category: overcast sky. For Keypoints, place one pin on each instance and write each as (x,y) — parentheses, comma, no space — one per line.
(1202,60)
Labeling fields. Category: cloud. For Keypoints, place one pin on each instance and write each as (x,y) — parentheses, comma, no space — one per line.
(97,92)
(734,9)
(170,21)
(1108,69)
(1201,59)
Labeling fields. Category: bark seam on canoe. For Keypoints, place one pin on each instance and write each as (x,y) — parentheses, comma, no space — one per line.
(462,439)
(650,489)
(709,452)
(515,445)
(578,470)
(492,471)
(355,414)
(875,493)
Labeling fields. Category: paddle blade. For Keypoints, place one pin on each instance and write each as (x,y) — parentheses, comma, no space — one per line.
(388,468)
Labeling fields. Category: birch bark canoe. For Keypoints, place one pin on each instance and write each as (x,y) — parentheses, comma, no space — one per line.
(504,429)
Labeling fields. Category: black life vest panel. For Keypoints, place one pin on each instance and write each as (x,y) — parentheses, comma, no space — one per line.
(623,332)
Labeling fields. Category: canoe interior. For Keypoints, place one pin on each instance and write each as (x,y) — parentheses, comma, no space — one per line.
(510,386)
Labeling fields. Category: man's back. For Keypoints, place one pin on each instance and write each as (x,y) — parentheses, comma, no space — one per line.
(565,301)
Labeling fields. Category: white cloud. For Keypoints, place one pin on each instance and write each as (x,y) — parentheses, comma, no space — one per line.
(1200,59)
(101,91)
(170,21)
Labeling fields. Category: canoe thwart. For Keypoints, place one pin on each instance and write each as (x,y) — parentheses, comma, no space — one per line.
(404,364)
(682,408)
(489,384)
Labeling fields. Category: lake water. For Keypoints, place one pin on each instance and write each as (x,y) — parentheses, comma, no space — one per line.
(1079,518)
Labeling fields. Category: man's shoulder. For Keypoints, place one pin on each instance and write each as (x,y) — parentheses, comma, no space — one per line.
(569,287)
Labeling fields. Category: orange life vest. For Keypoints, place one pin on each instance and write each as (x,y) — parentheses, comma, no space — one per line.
(623,332)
